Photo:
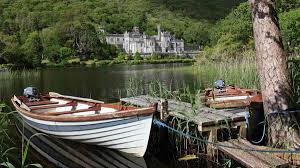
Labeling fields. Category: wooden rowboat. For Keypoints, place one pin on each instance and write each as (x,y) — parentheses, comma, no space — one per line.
(119,127)
(231,97)
(69,154)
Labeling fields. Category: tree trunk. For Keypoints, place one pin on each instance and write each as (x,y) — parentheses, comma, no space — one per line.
(273,72)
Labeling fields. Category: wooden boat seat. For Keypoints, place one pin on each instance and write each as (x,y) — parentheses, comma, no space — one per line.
(38,103)
(43,101)
(96,107)
(119,107)
(72,103)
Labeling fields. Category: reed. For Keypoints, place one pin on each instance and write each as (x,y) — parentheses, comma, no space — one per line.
(240,73)
(11,155)
(19,74)
(294,67)
(6,142)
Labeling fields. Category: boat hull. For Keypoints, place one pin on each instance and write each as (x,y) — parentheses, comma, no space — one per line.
(129,134)
(68,154)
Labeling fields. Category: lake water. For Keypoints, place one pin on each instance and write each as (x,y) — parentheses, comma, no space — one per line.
(105,83)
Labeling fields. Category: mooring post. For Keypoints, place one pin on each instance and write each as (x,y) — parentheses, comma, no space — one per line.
(164,109)
(243,131)
(163,132)
(211,149)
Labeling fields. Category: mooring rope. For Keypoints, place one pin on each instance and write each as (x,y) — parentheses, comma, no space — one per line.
(162,124)
(265,123)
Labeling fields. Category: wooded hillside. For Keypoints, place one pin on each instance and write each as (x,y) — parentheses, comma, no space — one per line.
(32,30)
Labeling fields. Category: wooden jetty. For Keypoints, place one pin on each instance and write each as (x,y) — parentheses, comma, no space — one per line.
(211,120)
(251,159)
(208,119)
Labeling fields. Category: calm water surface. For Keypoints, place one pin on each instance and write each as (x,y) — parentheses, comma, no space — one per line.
(103,83)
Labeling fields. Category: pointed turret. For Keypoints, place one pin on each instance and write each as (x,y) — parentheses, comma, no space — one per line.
(158,32)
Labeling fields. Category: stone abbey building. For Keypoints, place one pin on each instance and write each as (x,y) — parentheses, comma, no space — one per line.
(135,41)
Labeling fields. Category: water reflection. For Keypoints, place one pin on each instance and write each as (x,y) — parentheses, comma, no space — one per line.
(99,83)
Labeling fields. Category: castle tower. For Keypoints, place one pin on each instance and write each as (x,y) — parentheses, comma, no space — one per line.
(136,30)
(158,32)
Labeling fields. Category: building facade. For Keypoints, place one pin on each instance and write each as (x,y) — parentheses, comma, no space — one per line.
(135,41)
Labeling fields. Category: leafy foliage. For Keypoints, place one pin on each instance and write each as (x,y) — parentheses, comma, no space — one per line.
(232,36)
(32,31)
(290,29)
(286,5)
(137,56)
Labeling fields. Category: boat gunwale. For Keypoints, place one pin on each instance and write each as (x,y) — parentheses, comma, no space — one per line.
(94,117)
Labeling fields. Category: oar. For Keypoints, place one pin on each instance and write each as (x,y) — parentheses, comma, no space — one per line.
(53,94)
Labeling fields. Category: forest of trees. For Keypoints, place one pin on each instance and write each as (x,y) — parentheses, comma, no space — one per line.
(232,37)
(55,30)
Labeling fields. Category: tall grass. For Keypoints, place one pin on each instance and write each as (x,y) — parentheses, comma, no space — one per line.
(239,73)
(294,67)
(7,144)
(11,155)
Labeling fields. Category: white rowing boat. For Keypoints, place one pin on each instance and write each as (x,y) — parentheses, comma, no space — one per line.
(68,154)
(119,127)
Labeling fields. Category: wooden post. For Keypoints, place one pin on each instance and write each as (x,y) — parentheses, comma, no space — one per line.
(164,109)
(211,149)
(243,131)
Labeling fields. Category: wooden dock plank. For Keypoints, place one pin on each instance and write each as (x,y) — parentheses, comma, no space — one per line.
(234,114)
(212,118)
(251,159)
(204,116)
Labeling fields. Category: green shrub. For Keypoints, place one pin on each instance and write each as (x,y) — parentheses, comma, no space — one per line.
(121,56)
(290,29)
(155,56)
(65,52)
(137,56)
(128,57)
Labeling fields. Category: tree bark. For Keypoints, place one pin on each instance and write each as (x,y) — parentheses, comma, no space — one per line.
(273,73)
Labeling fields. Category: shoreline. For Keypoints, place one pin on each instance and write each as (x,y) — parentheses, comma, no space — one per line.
(98,63)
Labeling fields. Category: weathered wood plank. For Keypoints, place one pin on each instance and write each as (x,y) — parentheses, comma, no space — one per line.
(212,118)
(234,114)
(250,159)
(292,158)
(204,116)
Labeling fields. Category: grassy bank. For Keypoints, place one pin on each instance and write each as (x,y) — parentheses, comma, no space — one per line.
(99,63)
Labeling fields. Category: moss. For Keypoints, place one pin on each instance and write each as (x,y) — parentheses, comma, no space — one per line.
(74,61)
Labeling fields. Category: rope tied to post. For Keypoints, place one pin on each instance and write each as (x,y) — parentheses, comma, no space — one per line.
(162,124)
